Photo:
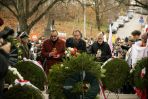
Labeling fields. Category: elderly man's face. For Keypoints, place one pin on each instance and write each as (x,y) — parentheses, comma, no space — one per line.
(100,39)
(77,35)
(54,36)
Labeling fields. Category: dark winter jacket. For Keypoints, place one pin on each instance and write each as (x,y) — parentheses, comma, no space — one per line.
(3,63)
(105,50)
(3,70)
(81,45)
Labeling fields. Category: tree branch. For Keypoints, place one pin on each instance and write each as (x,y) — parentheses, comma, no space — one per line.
(80,3)
(139,2)
(35,8)
(27,7)
(38,18)
(136,5)
(105,10)
(142,4)
(15,6)
(7,6)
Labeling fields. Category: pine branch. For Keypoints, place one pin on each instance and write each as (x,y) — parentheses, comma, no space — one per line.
(15,6)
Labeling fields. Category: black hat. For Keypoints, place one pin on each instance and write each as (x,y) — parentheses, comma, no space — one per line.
(23,35)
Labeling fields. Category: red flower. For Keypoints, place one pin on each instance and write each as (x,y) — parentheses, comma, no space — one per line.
(73,52)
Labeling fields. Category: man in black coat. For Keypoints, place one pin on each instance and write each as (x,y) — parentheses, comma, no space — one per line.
(25,45)
(76,41)
(4,56)
(101,49)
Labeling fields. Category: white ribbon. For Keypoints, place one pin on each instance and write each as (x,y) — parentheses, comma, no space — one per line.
(23,82)
(35,62)
(15,72)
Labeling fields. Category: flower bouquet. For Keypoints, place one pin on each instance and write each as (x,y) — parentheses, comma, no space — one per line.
(69,52)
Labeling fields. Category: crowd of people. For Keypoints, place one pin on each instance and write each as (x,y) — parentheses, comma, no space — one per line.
(48,51)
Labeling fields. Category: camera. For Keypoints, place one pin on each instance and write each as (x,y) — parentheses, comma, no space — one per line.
(5,34)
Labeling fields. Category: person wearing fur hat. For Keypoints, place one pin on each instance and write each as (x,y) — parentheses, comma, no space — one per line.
(4,50)
(4,56)
(25,45)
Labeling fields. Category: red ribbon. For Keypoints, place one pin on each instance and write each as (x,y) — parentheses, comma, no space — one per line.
(23,81)
(102,90)
(142,94)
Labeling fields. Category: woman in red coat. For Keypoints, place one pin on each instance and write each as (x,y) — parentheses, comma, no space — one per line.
(53,50)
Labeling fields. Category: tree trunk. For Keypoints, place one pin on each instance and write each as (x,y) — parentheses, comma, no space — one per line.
(97,14)
(50,26)
(23,26)
(23,12)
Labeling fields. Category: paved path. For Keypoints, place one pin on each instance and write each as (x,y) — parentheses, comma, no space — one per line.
(130,26)
(113,96)
(121,96)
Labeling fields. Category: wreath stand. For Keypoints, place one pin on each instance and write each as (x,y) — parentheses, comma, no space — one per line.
(102,92)
(81,77)
(112,82)
(116,94)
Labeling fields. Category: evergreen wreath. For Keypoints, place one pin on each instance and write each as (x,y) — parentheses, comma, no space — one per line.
(10,77)
(75,86)
(61,76)
(23,92)
(117,71)
(32,73)
(139,81)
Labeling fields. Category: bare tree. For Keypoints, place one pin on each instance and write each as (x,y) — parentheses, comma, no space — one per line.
(138,3)
(95,4)
(100,7)
(97,11)
(24,10)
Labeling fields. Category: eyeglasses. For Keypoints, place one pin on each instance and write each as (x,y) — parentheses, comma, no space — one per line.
(53,36)
(100,38)
(76,35)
